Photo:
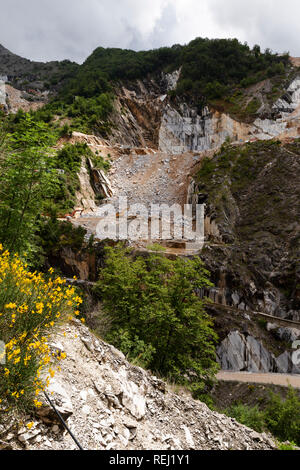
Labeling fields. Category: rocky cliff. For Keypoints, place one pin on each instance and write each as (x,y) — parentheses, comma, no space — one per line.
(145,115)
(252,195)
(252,211)
(243,352)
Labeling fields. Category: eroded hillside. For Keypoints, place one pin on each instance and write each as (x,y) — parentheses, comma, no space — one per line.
(111,404)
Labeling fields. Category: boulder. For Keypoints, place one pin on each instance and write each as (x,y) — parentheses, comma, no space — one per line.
(231,352)
(238,352)
(61,400)
(288,334)
(285,364)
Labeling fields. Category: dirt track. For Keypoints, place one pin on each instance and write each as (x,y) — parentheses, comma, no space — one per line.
(252,377)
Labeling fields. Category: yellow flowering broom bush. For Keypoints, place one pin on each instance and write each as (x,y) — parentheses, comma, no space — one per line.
(30,307)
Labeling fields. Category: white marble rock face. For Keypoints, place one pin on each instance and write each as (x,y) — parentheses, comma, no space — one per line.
(185,130)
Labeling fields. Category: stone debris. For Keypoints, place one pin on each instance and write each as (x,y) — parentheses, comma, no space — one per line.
(111,404)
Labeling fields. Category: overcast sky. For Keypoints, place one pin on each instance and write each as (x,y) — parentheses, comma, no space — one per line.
(72,29)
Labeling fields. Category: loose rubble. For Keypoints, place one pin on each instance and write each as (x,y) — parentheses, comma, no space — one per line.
(111,404)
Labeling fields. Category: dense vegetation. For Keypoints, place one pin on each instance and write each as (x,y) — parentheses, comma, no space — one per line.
(61,197)
(88,114)
(24,182)
(280,417)
(36,180)
(210,69)
(204,62)
(156,317)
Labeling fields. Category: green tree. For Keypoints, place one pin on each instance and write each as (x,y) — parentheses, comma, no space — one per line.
(24,183)
(152,301)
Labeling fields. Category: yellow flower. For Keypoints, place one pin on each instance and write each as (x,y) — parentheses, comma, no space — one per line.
(11,305)
(35,304)
(26,359)
(39,307)
(29,425)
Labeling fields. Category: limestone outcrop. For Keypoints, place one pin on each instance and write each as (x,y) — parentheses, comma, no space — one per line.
(146,116)
(239,352)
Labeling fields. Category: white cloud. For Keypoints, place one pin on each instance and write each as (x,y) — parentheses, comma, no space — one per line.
(270,23)
(43,30)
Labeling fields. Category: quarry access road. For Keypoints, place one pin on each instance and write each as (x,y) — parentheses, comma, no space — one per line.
(260,378)
(285,322)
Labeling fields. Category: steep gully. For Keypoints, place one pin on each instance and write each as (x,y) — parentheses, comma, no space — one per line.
(154,152)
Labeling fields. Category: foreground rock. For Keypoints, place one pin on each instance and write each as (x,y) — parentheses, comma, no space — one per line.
(114,405)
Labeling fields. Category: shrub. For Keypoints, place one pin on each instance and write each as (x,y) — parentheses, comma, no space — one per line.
(137,351)
(30,307)
(65,131)
(55,235)
(253,106)
(251,417)
(283,416)
(215,90)
(287,446)
(69,157)
(152,304)
(155,247)
(280,416)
